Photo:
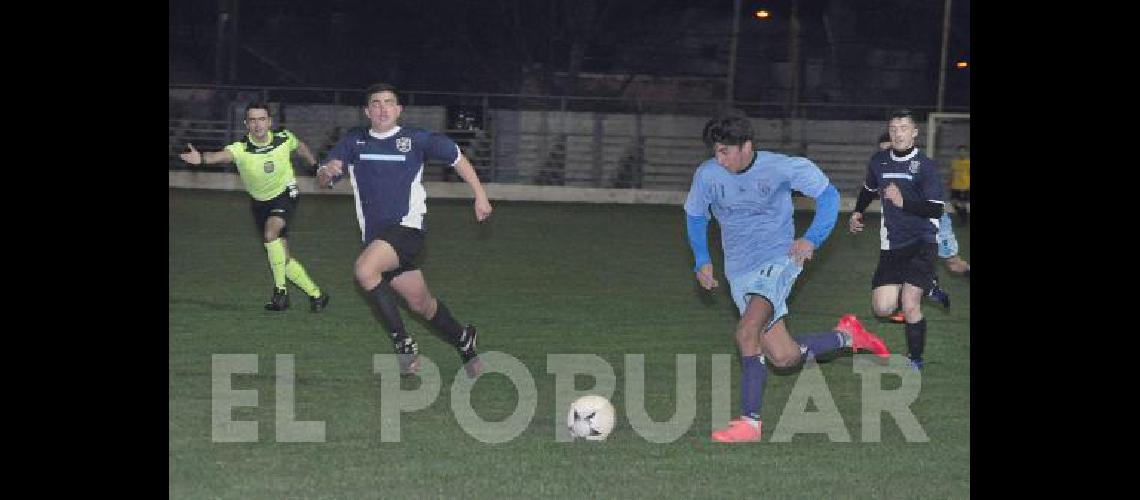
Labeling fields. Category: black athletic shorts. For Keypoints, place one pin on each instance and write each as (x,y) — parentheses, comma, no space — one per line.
(960,195)
(913,264)
(407,242)
(282,205)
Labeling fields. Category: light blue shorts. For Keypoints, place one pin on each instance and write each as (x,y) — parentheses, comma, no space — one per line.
(947,242)
(772,280)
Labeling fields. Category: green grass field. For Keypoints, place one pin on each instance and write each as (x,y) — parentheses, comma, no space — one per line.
(537,279)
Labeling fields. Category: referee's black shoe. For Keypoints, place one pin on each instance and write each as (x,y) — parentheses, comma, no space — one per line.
(318,303)
(279,301)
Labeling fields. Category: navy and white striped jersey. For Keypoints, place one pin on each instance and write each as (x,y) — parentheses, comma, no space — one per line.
(917,178)
(386,171)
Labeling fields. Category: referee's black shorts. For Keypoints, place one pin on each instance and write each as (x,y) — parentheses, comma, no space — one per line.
(282,205)
(913,264)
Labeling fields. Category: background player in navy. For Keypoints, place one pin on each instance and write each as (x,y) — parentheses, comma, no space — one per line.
(385,164)
(750,194)
(947,249)
(911,188)
(947,241)
(264,163)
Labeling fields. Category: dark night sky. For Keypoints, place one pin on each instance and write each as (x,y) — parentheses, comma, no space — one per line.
(483,45)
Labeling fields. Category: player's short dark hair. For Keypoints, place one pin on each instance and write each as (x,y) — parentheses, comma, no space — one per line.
(731,128)
(258,105)
(381,87)
(902,113)
(885,137)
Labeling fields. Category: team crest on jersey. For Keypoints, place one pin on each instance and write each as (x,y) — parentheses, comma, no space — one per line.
(268,167)
(765,190)
(914,166)
(404,144)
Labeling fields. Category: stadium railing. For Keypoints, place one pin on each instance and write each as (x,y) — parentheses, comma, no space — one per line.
(587,144)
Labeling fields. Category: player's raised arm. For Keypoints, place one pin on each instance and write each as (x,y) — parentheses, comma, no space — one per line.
(866,196)
(333,168)
(195,157)
(306,153)
(867,193)
(330,172)
(806,177)
(697,229)
(826,213)
(930,204)
(467,172)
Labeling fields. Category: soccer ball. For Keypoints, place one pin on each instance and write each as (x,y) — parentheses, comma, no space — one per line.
(590,417)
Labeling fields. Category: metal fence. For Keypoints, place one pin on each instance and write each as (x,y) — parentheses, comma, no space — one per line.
(545,140)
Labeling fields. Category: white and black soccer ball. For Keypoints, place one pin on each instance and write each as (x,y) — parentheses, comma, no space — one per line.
(591,417)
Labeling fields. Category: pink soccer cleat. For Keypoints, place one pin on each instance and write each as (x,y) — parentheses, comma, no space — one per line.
(738,431)
(860,337)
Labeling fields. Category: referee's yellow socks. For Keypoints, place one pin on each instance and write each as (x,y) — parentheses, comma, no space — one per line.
(296,273)
(276,251)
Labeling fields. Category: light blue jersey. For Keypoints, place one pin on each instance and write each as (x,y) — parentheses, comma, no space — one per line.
(753,207)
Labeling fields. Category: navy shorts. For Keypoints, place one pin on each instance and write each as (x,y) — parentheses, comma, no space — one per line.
(913,264)
(407,242)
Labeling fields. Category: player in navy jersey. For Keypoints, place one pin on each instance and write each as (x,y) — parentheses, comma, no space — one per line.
(947,241)
(947,250)
(911,188)
(750,194)
(385,164)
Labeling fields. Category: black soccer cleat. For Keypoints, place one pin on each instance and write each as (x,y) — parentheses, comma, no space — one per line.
(318,304)
(466,345)
(408,353)
(279,301)
(939,295)
(466,348)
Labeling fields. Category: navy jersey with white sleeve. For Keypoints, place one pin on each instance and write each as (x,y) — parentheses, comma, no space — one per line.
(386,171)
(917,178)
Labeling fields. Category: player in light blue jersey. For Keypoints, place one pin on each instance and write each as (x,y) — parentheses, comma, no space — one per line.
(750,194)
